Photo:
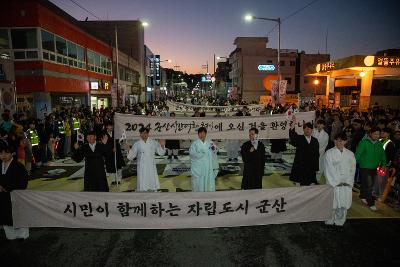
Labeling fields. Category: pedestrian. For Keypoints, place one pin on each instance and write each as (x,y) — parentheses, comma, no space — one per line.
(253,156)
(390,151)
(13,176)
(339,168)
(323,140)
(95,178)
(370,155)
(68,135)
(204,163)
(113,156)
(144,150)
(306,160)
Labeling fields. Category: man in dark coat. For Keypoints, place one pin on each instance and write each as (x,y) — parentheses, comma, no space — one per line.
(13,176)
(95,175)
(306,160)
(253,156)
(113,156)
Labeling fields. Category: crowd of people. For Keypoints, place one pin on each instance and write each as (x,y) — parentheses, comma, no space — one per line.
(345,146)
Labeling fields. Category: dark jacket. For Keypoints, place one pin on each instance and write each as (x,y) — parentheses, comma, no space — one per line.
(15,178)
(306,159)
(95,175)
(254,162)
(110,155)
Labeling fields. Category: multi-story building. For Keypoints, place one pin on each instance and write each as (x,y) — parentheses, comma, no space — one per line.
(254,65)
(61,62)
(131,57)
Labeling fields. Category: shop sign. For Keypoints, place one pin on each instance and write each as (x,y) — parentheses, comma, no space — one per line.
(266,67)
(157,69)
(388,61)
(94,85)
(327,66)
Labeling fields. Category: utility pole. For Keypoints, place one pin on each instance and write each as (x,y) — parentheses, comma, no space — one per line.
(116,53)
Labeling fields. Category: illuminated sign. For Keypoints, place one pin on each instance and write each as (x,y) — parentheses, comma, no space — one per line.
(266,67)
(206,78)
(327,66)
(94,85)
(388,61)
(157,69)
(106,85)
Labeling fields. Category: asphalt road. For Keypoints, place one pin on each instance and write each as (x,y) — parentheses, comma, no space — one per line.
(367,242)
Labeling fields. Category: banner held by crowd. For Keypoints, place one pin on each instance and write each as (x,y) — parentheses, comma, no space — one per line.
(171,210)
(271,127)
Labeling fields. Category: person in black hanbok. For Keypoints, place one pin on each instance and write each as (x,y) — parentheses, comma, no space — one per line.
(253,156)
(13,176)
(113,157)
(95,178)
(306,160)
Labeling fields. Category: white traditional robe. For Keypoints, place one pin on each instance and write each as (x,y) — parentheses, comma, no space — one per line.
(147,177)
(204,165)
(323,139)
(340,167)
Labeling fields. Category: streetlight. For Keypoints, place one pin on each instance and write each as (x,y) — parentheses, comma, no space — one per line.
(250,17)
(145,24)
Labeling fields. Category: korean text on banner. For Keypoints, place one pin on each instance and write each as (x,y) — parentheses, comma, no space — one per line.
(33,208)
(269,127)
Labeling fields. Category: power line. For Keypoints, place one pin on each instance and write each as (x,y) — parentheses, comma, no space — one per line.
(91,13)
(299,10)
(293,14)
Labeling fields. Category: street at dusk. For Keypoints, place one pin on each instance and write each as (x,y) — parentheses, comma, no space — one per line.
(187,133)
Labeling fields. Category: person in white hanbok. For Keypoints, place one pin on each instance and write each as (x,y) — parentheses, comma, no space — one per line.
(144,150)
(340,167)
(204,165)
(323,140)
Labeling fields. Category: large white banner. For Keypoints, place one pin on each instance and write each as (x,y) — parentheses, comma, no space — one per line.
(269,127)
(171,210)
(230,110)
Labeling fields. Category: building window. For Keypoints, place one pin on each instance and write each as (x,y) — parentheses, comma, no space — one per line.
(4,42)
(19,55)
(282,63)
(31,54)
(24,38)
(61,46)
(99,63)
(71,50)
(292,63)
(80,51)
(289,80)
(48,41)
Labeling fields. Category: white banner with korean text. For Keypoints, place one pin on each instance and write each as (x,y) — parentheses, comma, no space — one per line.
(270,127)
(253,109)
(33,208)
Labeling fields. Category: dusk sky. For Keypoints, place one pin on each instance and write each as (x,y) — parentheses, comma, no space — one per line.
(190,31)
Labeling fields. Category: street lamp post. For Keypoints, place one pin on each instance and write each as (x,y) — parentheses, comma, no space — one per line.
(278,20)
